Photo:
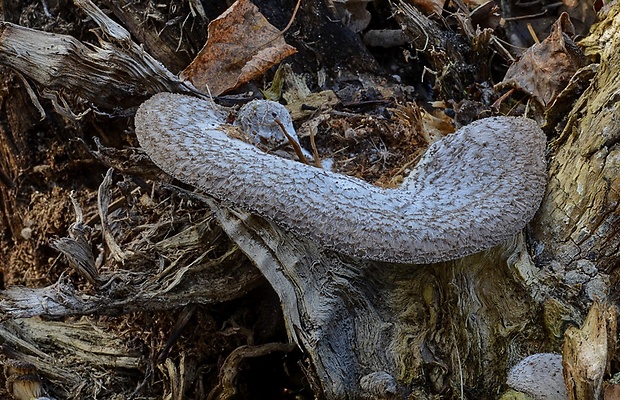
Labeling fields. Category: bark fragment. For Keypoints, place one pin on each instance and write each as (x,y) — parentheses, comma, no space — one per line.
(115,76)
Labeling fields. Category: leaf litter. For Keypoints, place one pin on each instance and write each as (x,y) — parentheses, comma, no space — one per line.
(241,46)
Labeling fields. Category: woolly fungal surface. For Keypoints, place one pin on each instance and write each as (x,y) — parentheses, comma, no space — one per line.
(540,376)
(471,190)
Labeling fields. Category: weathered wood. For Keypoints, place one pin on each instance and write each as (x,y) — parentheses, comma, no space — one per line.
(579,220)
(376,330)
(173,49)
(44,344)
(115,77)
(185,281)
(380,331)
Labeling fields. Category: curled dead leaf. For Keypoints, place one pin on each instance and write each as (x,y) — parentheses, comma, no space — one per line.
(241,46)
(547,67)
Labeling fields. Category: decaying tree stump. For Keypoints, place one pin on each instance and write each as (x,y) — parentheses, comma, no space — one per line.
(368,329)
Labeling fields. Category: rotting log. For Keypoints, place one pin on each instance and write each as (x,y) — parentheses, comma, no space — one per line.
(377,330)
(382,331)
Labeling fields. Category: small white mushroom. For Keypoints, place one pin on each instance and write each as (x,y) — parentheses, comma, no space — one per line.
(471,190)
(269,124)
(540,376)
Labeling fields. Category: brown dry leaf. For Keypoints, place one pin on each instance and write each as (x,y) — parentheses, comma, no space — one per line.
(429,7)
(300,102)
(241,46)
(612,392)
(582,14)
(547,67)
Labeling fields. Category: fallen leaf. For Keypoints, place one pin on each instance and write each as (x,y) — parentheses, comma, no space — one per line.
(429,7)
(612,392)
(545,69)
(486,15)
(241,46)
(300,101)
(582,14)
